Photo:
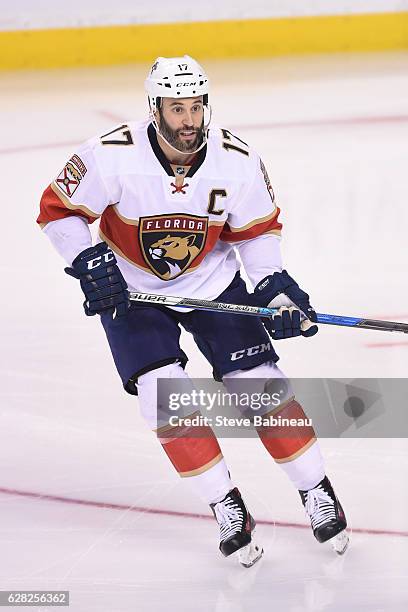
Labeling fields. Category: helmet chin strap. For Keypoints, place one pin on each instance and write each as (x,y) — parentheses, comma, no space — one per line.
(204,142)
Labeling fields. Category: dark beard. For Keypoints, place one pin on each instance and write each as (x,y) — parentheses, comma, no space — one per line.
(172,136)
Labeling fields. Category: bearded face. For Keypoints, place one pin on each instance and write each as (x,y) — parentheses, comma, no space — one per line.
(185,139)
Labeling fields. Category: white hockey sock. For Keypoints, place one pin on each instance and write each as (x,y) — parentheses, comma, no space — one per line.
(307,470)
(212,485)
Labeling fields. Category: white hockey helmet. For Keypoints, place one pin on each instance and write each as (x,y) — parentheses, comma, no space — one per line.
(175,77)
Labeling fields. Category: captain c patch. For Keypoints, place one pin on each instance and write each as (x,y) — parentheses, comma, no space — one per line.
(69,179)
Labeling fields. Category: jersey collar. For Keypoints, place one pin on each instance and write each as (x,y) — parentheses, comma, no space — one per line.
(198,160)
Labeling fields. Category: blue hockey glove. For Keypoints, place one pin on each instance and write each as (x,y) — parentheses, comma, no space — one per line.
(101,280)
(280,291)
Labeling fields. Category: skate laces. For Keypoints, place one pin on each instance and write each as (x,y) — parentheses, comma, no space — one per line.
(319,506)
(229,516)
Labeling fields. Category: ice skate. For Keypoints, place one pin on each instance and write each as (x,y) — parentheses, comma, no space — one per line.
(326,515)
(236,529)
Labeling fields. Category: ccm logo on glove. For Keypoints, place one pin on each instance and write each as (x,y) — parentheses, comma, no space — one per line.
(107,257)
(101,281)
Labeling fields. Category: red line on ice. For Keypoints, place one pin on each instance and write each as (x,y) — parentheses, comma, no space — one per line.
(385,344)
(39,147)
(195,515)
(111,116)
(298,123)
(324,122)
(260,126)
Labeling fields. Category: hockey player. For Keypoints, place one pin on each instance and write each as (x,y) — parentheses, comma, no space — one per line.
(176,201)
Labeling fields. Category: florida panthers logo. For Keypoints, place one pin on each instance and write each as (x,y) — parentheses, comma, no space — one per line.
(171,243)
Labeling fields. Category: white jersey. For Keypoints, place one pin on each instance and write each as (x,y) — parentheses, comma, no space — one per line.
(171,227)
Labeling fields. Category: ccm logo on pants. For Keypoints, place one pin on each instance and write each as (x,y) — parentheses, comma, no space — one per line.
(252,350)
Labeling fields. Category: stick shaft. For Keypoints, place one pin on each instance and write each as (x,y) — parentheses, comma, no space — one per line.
(258,311)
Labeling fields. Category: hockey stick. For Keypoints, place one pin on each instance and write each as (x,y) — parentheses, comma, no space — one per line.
(326,319)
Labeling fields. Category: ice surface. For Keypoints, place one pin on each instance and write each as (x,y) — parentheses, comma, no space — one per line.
(333,133)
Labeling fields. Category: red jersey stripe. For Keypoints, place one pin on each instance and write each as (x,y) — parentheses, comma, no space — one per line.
(53,207)
(271,225)
(125,237)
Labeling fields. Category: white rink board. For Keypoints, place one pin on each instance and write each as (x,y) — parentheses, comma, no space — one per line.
(27,14)
(334,137)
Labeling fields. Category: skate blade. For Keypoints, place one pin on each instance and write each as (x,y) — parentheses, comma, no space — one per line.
(251,553)
(340,542)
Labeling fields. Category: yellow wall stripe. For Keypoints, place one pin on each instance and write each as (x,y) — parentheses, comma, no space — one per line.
(250,38)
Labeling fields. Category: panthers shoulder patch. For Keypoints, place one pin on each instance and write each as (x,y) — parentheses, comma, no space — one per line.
(72,174)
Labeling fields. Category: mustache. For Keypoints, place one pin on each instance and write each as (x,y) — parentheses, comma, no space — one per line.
(188,129)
